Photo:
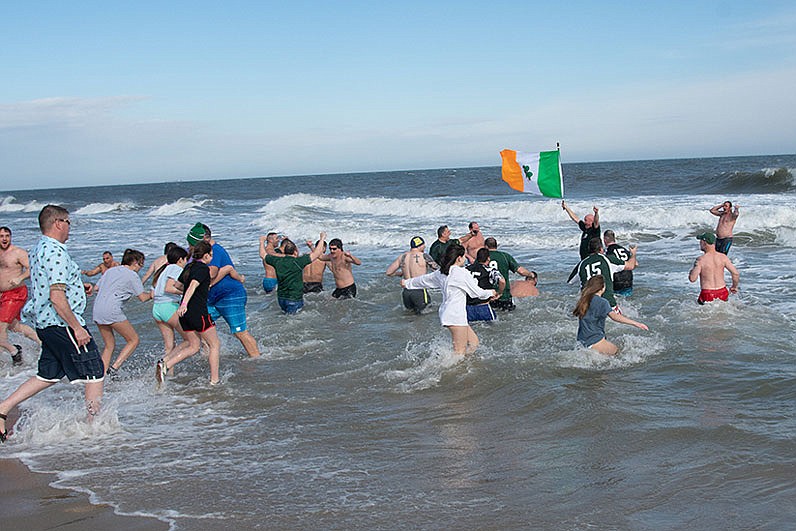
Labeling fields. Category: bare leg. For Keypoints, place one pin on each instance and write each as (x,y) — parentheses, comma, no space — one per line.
(23,392)
(214,352)
(249,343)
(25,330)
(167,332)
(4,339)
(110,343)
(126,330)
(465,341)
(186,349)
(604,346)
(93,393)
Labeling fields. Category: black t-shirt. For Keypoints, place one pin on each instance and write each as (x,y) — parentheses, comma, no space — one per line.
(585,238)
(623,279)
(200,272)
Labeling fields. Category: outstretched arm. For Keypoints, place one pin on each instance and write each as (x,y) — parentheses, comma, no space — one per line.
(619,318)
(596,216)
(318,251)
(572,215)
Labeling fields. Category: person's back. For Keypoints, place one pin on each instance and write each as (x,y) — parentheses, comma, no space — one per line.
(712,265)
(709,269)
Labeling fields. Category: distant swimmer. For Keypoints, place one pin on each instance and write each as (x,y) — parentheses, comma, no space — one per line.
(623,280)
(590,227)
(591,311)
(340,263)
(474,243)
(444,239)
(728,215)
(709,269)
(313,273)
(107,263)
(269,244)
(488,277)
(456,284)
(413,263)
(14,270)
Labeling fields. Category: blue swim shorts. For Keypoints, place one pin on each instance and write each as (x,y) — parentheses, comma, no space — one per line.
(163,311)
(480,312)
(233,309)
(60,356)
(269,284)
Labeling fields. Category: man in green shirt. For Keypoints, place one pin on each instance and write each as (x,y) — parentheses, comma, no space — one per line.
(290,273)
(504,263)
(444,239)
(597,263)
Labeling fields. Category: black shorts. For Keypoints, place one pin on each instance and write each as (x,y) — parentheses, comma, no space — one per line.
(60,356)
(313,287)
(348,292)
(415,299)
(198,322)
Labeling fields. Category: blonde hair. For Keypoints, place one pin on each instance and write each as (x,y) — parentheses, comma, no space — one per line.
(592,287)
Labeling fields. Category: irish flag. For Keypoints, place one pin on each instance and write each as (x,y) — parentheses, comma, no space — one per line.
(534,173)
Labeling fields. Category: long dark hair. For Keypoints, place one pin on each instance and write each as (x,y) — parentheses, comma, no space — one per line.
(452,253)
(173,255)
(593,285)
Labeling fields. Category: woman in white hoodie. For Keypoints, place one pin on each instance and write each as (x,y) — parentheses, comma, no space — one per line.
(456,283)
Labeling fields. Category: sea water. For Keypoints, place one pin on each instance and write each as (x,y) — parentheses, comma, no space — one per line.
(358,416)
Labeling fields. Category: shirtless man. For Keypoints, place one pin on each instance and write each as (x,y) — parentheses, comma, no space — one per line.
(269,244)
(107,263)
(14,269)
(313,273)
(709,269)
(340,263)
(413,263)
(475,243)
(727,215)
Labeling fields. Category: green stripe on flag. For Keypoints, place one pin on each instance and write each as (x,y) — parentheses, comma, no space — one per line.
(549,179)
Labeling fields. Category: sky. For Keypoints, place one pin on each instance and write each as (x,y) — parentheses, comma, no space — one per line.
(99,93)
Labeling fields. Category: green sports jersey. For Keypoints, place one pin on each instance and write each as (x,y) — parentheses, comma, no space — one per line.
(289,275)
(504,263)
(599,264)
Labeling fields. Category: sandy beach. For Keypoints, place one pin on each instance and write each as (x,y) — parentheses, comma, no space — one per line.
(27,501)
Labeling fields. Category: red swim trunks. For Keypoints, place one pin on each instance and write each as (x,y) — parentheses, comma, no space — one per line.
(707,295)
(11,303)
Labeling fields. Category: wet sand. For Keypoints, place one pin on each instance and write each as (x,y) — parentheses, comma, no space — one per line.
(28,502)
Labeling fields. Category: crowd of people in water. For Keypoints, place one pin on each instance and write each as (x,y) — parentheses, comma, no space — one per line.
(191,288)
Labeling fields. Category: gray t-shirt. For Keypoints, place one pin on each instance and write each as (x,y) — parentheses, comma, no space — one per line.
(591,327)
(116,286)
(160,294)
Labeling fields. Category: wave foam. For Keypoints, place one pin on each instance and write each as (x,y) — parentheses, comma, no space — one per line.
(7,204)
(182,205)
(103,208)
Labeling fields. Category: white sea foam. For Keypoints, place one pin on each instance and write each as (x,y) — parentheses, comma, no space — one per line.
(103,208)
(182,205)
(7,204)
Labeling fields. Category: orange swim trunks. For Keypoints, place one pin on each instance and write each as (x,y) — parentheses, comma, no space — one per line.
(11,303)
(707,295)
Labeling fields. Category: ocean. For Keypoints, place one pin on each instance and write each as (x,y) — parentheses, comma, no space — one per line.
(358,416)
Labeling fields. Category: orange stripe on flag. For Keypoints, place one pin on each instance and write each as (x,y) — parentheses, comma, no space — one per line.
(512,173)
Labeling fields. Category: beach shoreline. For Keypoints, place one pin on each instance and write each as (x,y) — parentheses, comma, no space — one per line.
(27,501)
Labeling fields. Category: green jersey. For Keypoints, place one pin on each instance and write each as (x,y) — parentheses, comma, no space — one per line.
(289,275)
(599,264)
(504,263)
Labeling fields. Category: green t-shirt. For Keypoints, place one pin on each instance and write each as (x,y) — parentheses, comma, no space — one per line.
(289,275)
(438,249)
(504,263)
